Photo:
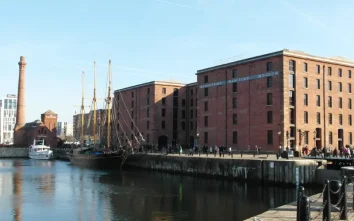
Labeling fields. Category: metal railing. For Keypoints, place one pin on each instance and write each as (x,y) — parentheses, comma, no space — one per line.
(334,195)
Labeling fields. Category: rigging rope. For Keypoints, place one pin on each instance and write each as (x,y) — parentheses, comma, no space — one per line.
(140,135)
(131,131)
(116,126)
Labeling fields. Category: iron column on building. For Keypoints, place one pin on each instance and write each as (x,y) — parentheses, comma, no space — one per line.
(226,112)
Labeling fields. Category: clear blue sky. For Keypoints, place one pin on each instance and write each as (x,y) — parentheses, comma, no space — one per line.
(152,40)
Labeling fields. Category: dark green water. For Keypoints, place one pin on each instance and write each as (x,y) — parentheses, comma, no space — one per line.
(57,191)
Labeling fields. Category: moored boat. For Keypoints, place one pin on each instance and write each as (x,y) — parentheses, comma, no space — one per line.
(40,151)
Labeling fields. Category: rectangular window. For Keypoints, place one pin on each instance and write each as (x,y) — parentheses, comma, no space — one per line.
(306,101)
(206,106)
(163,112)
(318,117)
(269,99)
(306,137)
(340,119)
(306,117)
(305,67)
(132,104)
(340,87)
(318,83)
(349,74)
(234,137)
(148,125)
(269,82)
(349,103)
(329,85)
(163,125)
(205,121)
(163,90)
(349,88)
(191,125)
(234,73)
(329,71)
(269,66)
(191,92)
(305,83)
(340,103)
(270,137)
(330,138)
(234,87)
(206,80)
(191,114)
(350,138)
(270,117)
(131,125)
(183,125)
(318,69)
(163,101)
(291,80)
(205,137)
(132,93)
(234,102)
(183,114)
(206,92)
(147,101)
(148,112)
(148,90)
(183,102)
(329,101)
(330,119)
(191,102)
(292,65)
(350,120)
(339,72)
(318,100)
(234,119)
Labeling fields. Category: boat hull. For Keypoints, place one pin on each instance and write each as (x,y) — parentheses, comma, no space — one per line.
(41,156)
(96,162)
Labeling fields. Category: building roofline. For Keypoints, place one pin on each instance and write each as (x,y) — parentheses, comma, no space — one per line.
(150,83)
(192,84)
(285,52)
(259,57)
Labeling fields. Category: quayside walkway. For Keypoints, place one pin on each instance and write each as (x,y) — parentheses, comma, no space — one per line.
(289,211)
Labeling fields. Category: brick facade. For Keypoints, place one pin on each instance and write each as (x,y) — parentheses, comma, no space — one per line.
(160,111)
(268,110)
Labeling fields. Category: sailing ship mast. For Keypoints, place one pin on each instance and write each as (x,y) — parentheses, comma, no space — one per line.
(82,112)
(109,105)
(94,105)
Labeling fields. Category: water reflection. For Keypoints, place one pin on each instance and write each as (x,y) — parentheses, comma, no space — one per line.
(55,190)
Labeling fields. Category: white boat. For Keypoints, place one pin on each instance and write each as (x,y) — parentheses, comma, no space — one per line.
(40,151)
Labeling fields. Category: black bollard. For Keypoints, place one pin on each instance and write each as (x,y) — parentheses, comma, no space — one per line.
(304,214)
(300,193)
(254,154)
(241,157)
(327,202)
(277,156)
(343,205)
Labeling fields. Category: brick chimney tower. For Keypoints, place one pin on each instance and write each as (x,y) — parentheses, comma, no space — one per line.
(20,117)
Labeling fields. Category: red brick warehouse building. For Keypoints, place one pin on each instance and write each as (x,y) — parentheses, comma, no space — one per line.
(165,113)
(285,98)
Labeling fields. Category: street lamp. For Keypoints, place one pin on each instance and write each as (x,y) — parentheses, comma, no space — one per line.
(314,138)
(279,133)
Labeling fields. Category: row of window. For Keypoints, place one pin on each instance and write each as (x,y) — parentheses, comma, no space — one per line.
(330,137)
(164,91)
(318,85)
(329,101)
(292,67)
(330,118)
(235,137)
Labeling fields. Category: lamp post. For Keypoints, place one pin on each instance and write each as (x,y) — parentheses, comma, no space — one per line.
(279,133)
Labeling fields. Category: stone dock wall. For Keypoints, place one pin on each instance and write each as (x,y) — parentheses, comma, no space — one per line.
(13,152)
(259,170)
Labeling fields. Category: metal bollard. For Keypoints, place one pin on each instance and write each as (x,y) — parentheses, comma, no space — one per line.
(254,154)
(305,213)
(241,153)
(336,193)
(300,193)
(327,202)
(343,205)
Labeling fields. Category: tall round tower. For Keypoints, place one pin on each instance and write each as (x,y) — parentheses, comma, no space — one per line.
(20,116)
